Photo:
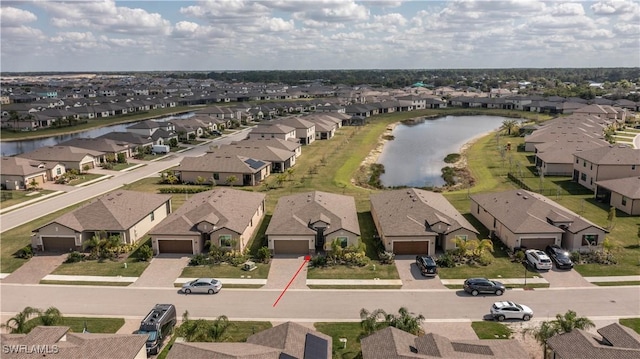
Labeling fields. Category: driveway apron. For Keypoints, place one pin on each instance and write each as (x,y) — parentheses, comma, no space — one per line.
(559,278)
(282,271)
(162,271)
(411,277)
(36,268)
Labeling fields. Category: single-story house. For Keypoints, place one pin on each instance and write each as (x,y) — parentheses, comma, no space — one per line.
(128,214)
(605,163)
(18,173)
(108,146)
(615,341)
(622,193)
(227,217)
(308,222)
(280,159)
(524,219)
(285,341)
(414,221)
(233,170)
(292,146)
(62,342)
(395,343)
(71,157)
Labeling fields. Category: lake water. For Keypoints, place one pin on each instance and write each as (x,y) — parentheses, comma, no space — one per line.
(11,148)
(415,157)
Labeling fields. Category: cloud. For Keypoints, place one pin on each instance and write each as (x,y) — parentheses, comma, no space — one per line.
(11,16)
(567,9)
(226,11)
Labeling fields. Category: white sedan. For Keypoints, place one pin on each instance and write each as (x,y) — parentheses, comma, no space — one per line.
(202,285)
(510,310)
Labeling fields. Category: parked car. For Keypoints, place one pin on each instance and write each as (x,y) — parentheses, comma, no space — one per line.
(202,285)
(475,286)
(538,259)
(427,266)
(560,257)
(510,310)
(216,133)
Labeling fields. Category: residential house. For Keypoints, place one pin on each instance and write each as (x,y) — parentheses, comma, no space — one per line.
(395,343)
(71,157)
(273,130)
(285,341)
(604,111)
(136,142)
(62,342)
(556,158)
(109,147)
(524,219)
(309,222)
(605,163)
(615,341)
(622,193)
(280,159)
(226,217)
(232,170)
(305,130)
(413,102)
(123,213)
(18,173)
(414,221)
(294,147)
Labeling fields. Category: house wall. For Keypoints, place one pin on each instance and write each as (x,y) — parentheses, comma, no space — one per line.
(530,146)
(557,169)
(595,172)
(197,243)
(138,230)
(55,230)
(573,241)
(14,182)
(632,206)
(352,238)
(248,232)
(450,237)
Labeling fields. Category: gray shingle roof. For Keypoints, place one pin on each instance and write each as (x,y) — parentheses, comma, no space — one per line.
(407,212)
(628,187)
(612,155)
(60,153)
(222,207)
(580,344)
(293,213)
(263,152)
(212,162)
(21,166)
(290,338)
(117,211)
(222,351)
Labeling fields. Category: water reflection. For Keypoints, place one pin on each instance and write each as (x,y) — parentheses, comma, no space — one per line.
(416,156)
(17,147)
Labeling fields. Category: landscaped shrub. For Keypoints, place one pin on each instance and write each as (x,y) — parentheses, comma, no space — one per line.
(25,252)
(145,253)
(199,260)
(358,259)
(386,257)
(107,166)
(446,260)
(235,258)
(318,261)
(75,257)
(377,169)
(485,259)
(576,257)
(188,190)
(264,255)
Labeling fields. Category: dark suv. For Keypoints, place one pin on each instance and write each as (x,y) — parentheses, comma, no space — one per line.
(475,286)
(427,266)
(559,256)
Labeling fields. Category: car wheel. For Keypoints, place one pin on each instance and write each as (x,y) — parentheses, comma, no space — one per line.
(498,292)
(474,292)
(187,291)
(526,317)
(500,318)
(211,291)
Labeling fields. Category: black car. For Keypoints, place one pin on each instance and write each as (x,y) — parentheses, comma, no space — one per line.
(475,286)
(559,256)
(427,266)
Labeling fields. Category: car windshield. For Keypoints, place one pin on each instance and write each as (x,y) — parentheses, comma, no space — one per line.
(152,335)
(518,306)
(429,262)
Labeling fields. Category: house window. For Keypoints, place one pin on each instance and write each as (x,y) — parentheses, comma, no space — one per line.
(577,160)
(152,216)
(216,176)
(583,176)
(591,181)
(495,221)
(225,241)
(59,171)
(343,241)
(624,200)
(584,164)
(591,167)
(589,239)
(478,210)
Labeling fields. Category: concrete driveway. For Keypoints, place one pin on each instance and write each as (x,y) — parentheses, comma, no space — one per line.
(283,269)
(562,278)
(163,270)
(36,268)
(411,277)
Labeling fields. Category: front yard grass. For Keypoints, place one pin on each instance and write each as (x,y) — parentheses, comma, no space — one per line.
(633,323)
(356,287)
(93,325)
(105,284)
(84,178)
(381,271)
(350,331)
(12,198)
(225,270)
(108,268)
(613,284)
(491,330)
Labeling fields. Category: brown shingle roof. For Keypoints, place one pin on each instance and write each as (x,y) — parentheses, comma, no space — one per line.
(222,351)
(628,187)
(580,344)
(612,155)
(212,162)
(21,166)
(117,211)
(290,338)
(60,153)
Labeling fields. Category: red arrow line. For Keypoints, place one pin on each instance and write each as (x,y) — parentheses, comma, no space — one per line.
(306,259)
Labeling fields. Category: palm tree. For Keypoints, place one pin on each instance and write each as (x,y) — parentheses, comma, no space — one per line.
(509,125)
(564,323)
(219,327)
(18,323)
(481,246)
(290,172)
(231,180)
(372,321)
(51,316)
(406,322)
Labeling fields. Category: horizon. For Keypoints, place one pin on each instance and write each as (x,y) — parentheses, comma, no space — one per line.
(332,35)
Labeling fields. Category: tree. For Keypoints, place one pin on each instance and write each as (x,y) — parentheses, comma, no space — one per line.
(51,316)
(18,323)
(201,330)
(200,180)
(372,321)
(509,125)
(231,180)
(564,323)
(280,179)
(218,328)
(611,218)
(290,173)
(406,322)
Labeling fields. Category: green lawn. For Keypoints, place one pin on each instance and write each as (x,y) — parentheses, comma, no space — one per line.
(134,268)
(633,323)
(12,198)
(352,287)
(613,284)
(105,284)
(85,177)
(225,271)
(94,325)
(350,331)
(344,272)
(491,330)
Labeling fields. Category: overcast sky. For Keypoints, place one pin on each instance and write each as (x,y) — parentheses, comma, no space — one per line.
(309,34)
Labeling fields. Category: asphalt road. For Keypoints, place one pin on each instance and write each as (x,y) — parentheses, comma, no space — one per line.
(315,305)
(78,194)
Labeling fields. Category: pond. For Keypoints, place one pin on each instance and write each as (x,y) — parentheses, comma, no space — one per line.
(11,148)
(415,157)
